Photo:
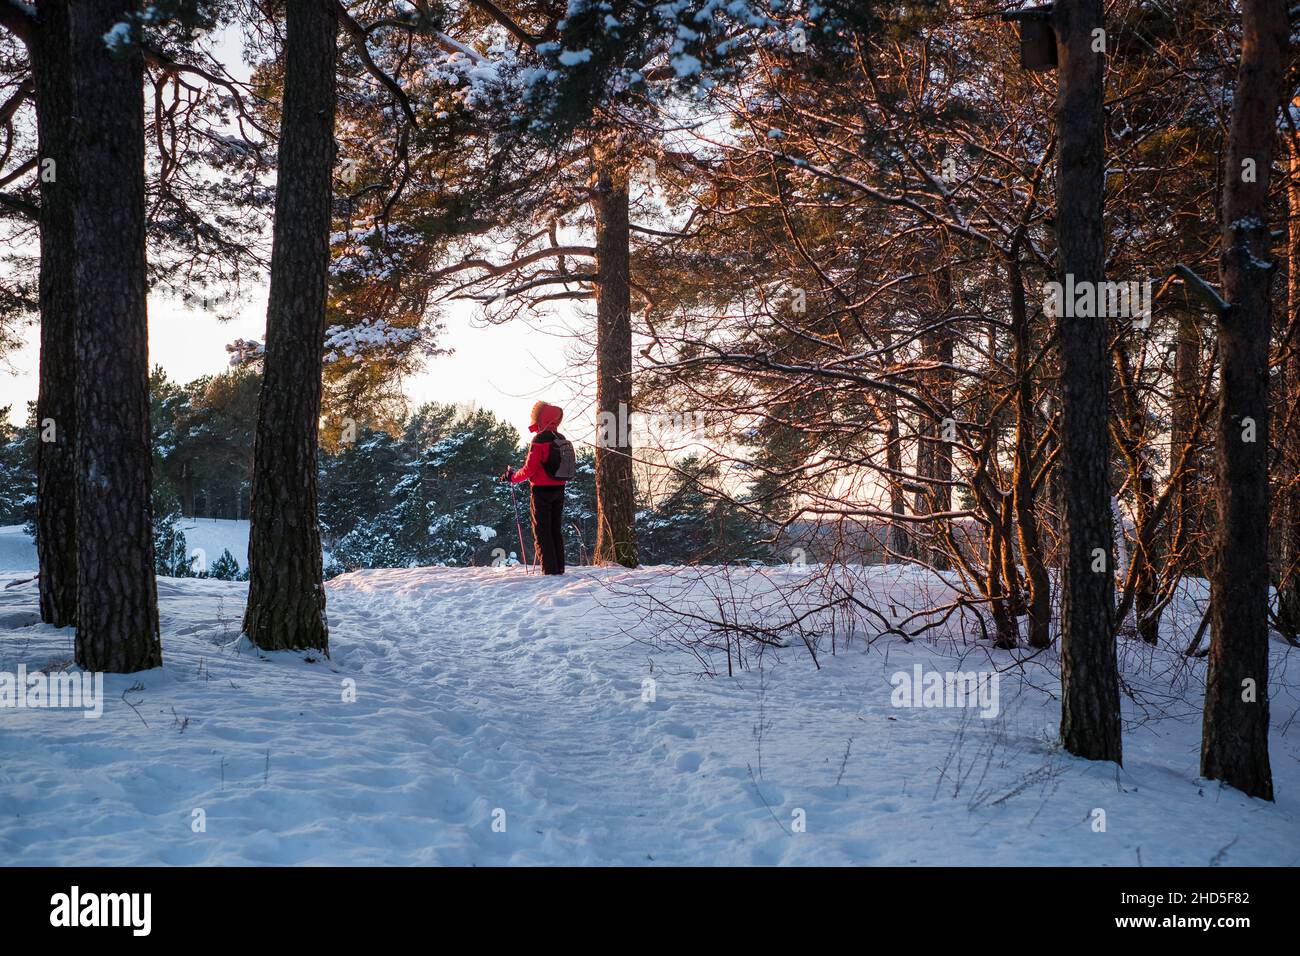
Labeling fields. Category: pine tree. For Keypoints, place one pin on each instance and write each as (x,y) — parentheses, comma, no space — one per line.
(117,603)
(430,497)
(170,548)
(56,524)
(1234,743)
(1089,676)
(225,568)
(615,487)
(17,474)
(358,482)
(696,522)
(286,595)
(580,510)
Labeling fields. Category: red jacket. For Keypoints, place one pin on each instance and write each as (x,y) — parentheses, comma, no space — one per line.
(546,418)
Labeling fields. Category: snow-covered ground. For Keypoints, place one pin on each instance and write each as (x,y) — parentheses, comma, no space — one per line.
(17,548)
(506,719)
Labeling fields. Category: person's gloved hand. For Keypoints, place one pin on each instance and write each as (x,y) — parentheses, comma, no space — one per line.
(508,474)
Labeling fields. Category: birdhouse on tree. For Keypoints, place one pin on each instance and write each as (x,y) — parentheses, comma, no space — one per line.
(1037,37)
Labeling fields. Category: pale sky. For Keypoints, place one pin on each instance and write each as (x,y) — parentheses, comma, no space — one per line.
(501,368)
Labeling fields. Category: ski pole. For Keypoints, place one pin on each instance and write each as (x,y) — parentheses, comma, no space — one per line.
(520,528)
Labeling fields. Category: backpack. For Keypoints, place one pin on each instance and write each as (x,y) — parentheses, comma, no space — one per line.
(561,464)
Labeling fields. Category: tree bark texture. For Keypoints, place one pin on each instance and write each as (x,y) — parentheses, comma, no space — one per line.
(117,601)
(286,593)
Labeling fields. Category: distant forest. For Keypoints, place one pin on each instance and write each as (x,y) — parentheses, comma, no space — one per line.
(421,490)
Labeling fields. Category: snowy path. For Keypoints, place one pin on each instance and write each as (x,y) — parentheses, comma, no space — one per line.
(596,774)
(482,691)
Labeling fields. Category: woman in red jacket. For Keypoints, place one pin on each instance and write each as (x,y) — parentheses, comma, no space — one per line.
(549,465)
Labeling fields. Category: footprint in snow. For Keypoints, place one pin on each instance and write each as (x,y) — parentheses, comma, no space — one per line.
(688,762)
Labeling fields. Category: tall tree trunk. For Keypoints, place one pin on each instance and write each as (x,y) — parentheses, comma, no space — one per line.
(1234,741)
(1090,725)
(900,539)
(1184,440)
(1289,440)
(615,489)
(933,453)
(286,592)
(1037,580)
(1003,579)
(56,402)
(985,485)
(1146,606)
(1130,429)
(117,602)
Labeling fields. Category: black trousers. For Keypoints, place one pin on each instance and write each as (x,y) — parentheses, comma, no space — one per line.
(548,527)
